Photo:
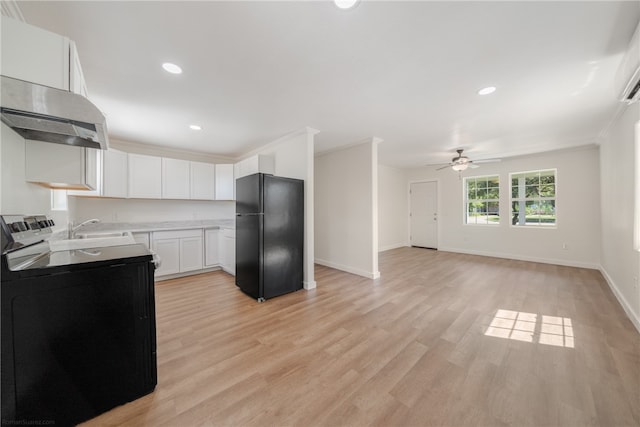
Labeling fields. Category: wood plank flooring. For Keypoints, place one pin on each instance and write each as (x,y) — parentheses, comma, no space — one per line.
(441,339)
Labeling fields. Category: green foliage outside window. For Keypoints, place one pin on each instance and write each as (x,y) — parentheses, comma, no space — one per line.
(482,200)
(534,195)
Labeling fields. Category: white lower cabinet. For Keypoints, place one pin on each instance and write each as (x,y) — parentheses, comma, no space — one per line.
(191,253)
(179,251)
(211,248)
(168,250)
(228,251)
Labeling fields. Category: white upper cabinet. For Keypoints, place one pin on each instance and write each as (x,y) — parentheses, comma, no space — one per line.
(35,55)
(76,76)
(175,179)
(203,179)
(114,173)
(61,166)
(145,176)
(255,164)
(225,182)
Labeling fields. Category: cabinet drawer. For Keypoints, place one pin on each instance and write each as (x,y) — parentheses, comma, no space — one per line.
(177,234)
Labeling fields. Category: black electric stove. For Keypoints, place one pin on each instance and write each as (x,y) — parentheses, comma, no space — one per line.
(78,326)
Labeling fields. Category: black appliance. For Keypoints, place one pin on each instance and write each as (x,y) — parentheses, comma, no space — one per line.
(78,326)
(269,235)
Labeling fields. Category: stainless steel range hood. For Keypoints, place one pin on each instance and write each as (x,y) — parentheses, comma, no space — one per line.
(46,114)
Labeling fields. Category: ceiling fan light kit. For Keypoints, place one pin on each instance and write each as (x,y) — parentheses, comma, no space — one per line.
(461,163)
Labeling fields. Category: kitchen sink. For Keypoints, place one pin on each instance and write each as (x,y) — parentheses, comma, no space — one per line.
(93,240)
(96,235)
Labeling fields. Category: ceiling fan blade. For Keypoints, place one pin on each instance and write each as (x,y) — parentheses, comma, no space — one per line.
(472,166)
(487,161)
(443,167)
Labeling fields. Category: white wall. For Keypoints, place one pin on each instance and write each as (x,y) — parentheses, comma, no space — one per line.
(142,210)
(393,218)
(346,209)
(293,158)
(620,262)
(19,196)
(577,207)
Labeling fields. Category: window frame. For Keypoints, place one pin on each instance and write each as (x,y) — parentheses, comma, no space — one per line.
(59,200)
(512,200)
(466,200)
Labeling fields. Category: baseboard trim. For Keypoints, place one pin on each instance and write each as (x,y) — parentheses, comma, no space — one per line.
(348,269)
(188,273)
(309,285)
(621,299)
(591,266)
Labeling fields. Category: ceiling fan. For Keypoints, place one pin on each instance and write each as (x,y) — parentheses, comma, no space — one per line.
(461,162)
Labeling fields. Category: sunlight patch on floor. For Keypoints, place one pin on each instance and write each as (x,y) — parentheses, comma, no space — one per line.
(530,327)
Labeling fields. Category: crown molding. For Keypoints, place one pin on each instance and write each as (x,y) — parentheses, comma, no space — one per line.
(11,9)
(156,150)
(309,131)
(372,140)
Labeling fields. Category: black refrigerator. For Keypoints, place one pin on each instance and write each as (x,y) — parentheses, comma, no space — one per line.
(269,235)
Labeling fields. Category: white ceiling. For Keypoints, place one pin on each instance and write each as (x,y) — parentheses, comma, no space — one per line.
(405,72)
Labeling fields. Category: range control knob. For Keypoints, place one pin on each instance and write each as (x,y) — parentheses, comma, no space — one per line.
(19,226)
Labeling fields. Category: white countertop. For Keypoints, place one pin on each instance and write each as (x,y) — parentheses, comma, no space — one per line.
(137,227)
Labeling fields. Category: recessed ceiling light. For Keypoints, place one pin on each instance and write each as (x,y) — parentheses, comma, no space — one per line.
(195,127)
(172,68)
(345,4)
(487,90)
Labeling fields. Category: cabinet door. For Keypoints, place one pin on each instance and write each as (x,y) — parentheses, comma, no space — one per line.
(114,174)
(59,165)
(211,248)
(92,173)
(35,55)
(76,76)
(224,182)
(168,251)
(91,156)
(145,176)
(175,179)
(259,163)
(229,255)
(203,178)
(191,254)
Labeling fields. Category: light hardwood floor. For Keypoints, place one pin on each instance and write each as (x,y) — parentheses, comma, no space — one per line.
(440,339)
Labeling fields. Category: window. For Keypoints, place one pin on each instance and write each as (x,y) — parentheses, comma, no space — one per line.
(482,194)
(533,198)
(58,200)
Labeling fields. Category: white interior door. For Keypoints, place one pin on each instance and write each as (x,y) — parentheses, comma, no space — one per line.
(424,214)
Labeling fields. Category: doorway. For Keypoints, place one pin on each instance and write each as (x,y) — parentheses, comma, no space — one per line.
(423,214)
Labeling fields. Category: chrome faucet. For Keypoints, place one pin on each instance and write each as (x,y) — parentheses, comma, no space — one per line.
(71,229)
